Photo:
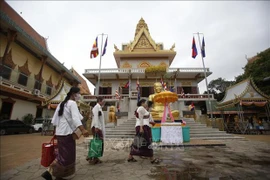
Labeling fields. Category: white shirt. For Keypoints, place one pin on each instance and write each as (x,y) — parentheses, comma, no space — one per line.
(69,121)
(98,121)
(143,121)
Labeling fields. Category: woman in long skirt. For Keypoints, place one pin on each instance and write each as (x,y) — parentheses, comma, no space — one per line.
(66,119)
(143,118)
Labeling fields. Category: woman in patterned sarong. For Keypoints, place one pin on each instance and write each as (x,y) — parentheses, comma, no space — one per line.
(66,119)
(143,120)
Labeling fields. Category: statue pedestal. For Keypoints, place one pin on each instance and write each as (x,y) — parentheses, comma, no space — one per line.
(158,122)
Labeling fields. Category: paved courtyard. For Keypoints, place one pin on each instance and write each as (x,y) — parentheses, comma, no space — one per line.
(239,159)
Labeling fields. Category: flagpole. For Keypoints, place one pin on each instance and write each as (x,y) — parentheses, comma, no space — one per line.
(100,57)
(210,106)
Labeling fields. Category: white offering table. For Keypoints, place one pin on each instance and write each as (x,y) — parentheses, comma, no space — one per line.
(171,133)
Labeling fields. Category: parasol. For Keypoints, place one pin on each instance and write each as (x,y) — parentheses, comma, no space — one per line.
(166,97)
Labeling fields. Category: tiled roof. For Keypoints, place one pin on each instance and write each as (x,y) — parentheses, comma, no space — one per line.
(235,91)
(5,8)
(245,90)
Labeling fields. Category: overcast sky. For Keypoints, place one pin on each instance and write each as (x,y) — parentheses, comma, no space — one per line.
(231,30)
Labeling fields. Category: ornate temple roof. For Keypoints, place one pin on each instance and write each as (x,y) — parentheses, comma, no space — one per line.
(141,25)
(5,8)
(143,46)
(26,35)
(243,91)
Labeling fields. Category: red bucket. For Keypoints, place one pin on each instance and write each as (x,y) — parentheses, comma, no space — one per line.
(48,153)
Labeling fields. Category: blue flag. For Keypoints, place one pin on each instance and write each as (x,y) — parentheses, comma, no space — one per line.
(105,46)
(203,48)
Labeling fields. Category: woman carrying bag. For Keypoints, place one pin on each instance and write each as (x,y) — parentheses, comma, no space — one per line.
(67,120)
(98,130)
(142,127)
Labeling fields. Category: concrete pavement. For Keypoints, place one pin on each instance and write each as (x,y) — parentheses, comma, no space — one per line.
(239,159)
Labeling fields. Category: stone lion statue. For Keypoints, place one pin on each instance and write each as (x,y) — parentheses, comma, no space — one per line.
(112,115)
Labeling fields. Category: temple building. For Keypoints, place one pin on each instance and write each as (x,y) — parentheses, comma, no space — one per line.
(144,62)
(30,75)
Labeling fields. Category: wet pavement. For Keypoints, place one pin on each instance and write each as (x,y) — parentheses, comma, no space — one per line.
(239,159)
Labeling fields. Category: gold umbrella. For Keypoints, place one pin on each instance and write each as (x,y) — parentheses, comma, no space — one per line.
(166,97)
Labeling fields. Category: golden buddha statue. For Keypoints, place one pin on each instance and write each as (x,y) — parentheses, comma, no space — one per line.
(158,108)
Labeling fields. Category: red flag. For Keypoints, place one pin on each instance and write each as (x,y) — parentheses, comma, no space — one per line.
(194,49)
(127,85)
(94,51)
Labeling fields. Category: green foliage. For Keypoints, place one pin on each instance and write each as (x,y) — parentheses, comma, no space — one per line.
(28,118)
(258,70)
(218,87)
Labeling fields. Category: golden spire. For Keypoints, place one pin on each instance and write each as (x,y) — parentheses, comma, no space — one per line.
(141,25)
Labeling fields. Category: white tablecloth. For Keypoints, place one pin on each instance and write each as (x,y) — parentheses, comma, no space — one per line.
(171,133)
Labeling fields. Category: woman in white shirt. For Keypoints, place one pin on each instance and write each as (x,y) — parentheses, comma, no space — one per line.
(98,127)
(66,119)
(143,120)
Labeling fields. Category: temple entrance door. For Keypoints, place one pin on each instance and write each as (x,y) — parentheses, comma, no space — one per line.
(6,110)
(145,92)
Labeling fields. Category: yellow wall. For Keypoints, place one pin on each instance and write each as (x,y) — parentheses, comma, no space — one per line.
(47,72)
(20,56)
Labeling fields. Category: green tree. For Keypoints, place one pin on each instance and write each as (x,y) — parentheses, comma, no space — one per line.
(218,87)
(28,118)
(258,70)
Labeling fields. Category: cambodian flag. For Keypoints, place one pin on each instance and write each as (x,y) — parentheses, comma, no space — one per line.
(194,49)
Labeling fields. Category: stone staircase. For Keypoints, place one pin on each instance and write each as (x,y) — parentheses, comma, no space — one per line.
(123,131)
(201,131)
(197,131)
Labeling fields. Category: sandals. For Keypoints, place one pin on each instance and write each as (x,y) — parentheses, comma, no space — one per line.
(155,161)
(97,161)
(132,160)
(94,161)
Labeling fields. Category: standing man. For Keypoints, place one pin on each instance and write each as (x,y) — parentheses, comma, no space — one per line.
(98,126)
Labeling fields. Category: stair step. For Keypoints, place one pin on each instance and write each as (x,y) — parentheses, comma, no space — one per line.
(120,130)
(217,138)
(126,125)
(120,136)
(207,132)
(198,130)
(210,135)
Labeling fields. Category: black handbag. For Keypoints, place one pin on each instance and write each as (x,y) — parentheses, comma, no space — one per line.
(139,141)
